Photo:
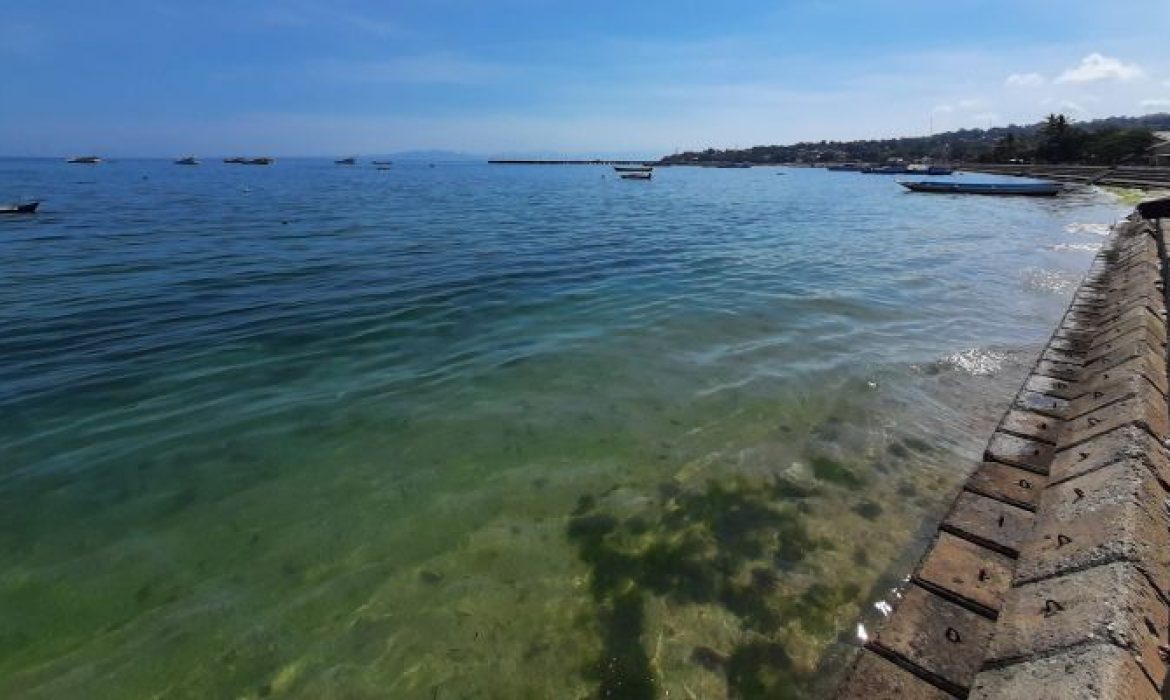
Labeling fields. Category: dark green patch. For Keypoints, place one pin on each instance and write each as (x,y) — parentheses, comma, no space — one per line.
(759,669)
(868,510)
(829,469)
(898,450)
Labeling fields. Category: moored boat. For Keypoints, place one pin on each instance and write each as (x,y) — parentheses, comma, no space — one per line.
(1027,189)
(189,160)
(257,161)
(383,162)
(633,168)
(887,170)
(19,208)
(346,161)
(84,160)
(637,176)
(847,167)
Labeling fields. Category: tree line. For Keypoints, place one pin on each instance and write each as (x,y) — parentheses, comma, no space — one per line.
(1056,139)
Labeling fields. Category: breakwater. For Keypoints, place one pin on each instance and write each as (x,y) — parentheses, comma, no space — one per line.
(1118,176)
(1049,576)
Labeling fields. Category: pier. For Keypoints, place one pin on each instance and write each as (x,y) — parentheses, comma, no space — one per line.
(1139,177)
(1050,575)
(573,162)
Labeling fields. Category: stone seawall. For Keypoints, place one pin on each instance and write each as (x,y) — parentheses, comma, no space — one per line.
(1050,575)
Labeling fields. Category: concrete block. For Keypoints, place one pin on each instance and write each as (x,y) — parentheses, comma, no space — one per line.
(1128,351)
(937,635)
(875,678)
(1126,442)
(1057,370)
(1053,387)
(1139,333)
(1116,513)
(1041,403)
(1147,409)
(1124,386)
(989,521)
(1145,322)
(1020,452)
(1152,368)
(1112,604)
(967,570)
(1033,426)
(1008,484)
(1097,672)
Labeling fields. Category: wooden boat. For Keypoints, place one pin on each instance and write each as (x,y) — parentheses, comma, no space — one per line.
(637,176)
(237,160)
(257,161)
(1027,189)
(887,170)
(84,160)
(25,208)
(189,160)
(346,161)
(633,168)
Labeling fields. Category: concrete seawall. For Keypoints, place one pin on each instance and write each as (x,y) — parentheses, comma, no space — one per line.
(1050,575)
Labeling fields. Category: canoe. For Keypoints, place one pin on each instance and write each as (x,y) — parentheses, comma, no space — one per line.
(633,168)
(26,208)
(1027,189)
(637,176)
(85,160)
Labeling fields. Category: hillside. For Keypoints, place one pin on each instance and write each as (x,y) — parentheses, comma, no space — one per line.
(1111,139)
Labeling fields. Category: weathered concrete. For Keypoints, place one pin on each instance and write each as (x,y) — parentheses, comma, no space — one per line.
(1050,576)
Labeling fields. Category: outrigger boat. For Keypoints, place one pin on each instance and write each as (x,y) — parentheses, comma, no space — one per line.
(346,161)
(189,160)
(638,175)
(633,168)
(85,160)
(25,208)
(1026,189)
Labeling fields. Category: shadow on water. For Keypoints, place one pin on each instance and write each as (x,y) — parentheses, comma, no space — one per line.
(726,545)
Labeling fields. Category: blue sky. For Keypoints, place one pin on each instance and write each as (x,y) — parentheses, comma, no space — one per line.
(309,77)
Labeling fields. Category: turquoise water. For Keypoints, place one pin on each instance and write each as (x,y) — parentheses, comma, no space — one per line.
(489,431)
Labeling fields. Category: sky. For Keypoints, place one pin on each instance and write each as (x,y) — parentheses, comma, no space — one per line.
(519,77)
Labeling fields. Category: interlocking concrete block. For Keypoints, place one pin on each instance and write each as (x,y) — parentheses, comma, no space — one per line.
(937,635)
(1012,485)
(1131,316)
(1062,355)
(1124,386)
(989,521)
(1116,513)
(1144,322)
(1058,370)
(1139,333)
(1123,443)
(1129,351)
(1034,426)
(1053,387)
(875,678)
(1098,672)
(1019,451)
(1113,604)
(967,570)
(1147,410)
(1149,366)
(1041,403)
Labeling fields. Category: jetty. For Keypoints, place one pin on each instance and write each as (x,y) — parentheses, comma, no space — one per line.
(1138,177)
(1050,575)
(574,162)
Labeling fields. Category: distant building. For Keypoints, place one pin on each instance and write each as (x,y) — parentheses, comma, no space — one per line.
(1160,151)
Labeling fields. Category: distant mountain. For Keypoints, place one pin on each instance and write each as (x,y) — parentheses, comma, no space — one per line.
(998,143)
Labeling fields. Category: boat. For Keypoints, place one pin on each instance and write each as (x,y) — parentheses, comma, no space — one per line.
(734,165)
(383,162)
(346,161)
(1028,189)
(84,160)
(189,160)
(887,170)
(25,208)
(633,168)
(257,161)
(234,159)
(384,167)
(939,170)
(847,168)
(637,176)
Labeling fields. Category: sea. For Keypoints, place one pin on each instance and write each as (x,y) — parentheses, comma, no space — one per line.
(459,430)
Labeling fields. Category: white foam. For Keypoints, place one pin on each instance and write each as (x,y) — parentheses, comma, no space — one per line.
(1090,229)
(977,361)
(1087,247)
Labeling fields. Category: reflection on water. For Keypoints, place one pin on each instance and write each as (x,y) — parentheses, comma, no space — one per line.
(489,432)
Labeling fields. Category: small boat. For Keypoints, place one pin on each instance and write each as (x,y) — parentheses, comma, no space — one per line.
(633,168)
(84,160)
(734,165)
(234,159)
(25,208)
(257,161)
(189,160)
(847,168)
(939,170)
(346,161)
(384,167)
(383,162)
(637,176)
(887,170)
(1027,189)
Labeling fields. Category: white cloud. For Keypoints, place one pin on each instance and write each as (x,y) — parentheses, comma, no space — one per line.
(1096,67)
(1025,80)
(1155,103)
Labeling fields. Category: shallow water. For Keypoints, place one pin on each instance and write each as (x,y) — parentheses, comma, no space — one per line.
(489,431)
